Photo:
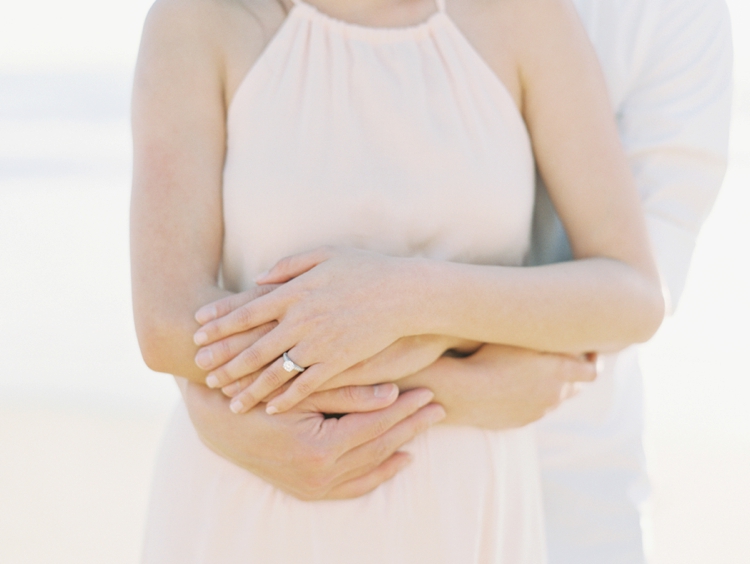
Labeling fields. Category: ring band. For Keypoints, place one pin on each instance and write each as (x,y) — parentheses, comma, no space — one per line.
(289,365)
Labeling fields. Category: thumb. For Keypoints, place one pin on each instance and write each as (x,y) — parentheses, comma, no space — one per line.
(292,266)
(227,305)
(351,399)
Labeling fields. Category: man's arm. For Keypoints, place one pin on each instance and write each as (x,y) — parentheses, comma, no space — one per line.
(497,387)
(308,455)
(668,66)
(674,124)
(500,387)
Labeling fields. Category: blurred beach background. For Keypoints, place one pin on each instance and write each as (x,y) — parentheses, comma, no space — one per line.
(80,414)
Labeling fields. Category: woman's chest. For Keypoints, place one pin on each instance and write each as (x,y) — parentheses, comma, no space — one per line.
(403,147)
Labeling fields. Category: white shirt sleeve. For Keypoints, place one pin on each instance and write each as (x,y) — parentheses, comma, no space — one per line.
(674,124)
(668,65)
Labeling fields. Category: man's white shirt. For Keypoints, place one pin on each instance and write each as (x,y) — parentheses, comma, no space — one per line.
(668,69)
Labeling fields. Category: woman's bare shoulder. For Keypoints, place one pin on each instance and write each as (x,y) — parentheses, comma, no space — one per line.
(221,36)
(514,35)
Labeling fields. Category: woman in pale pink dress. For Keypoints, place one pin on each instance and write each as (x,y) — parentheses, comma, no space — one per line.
(388,150)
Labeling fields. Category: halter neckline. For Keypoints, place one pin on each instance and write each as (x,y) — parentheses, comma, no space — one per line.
(351,26)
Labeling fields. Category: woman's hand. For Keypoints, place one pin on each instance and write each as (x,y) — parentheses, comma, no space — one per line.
(336,308)
(403,358)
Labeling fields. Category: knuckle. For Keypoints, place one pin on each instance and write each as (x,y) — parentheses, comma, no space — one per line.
(222,350)
(251,358)
(380,426)
(222,376)
(249,398)
(352,394)
(274,377)
(257,291)
(266,328)
(382,450)
(304,387)
(245,315)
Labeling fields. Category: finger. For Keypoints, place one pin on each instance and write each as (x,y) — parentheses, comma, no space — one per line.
(222,307)
(351,399)
(401,359)
(292,266)
(360,486)
(380,448)
(572,369)
(263,352)
(237,386)
(570,390)
(363,470)
(356,429)
(303,386)
(269,380)
(223,351)
(248,316)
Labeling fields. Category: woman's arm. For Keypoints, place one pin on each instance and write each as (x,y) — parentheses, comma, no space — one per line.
(344,307)
(610,296)
(176,216)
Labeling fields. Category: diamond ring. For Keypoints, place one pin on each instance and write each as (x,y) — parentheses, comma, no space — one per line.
(289,365)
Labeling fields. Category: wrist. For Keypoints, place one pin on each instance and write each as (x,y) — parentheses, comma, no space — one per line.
(419,290)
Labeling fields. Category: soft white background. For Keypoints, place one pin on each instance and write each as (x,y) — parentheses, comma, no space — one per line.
(81,416)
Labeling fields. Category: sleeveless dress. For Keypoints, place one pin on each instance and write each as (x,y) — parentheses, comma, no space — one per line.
(401,141)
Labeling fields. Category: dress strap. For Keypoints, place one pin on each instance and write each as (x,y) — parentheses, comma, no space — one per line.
(440,5)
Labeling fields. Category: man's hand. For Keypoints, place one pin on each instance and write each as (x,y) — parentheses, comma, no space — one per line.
(501,387)
(308,455)
(497,387)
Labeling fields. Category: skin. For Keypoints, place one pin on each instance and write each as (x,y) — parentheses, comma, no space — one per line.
(193,56)
(312,457)
(497,388)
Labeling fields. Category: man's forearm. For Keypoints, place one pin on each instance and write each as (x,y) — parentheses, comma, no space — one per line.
(502,387)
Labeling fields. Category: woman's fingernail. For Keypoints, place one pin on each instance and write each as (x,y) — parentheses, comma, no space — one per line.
(437,416)
(236,406)
(383,390)
(206,314)
(204,358)
(271,410)
(212,381)
(260,276)
(200,338)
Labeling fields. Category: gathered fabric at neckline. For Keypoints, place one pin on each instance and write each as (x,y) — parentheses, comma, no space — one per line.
(377,33)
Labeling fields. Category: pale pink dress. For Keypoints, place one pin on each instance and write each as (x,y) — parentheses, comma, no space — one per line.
(405,142)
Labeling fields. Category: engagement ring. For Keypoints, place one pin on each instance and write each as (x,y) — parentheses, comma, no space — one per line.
(289,365)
